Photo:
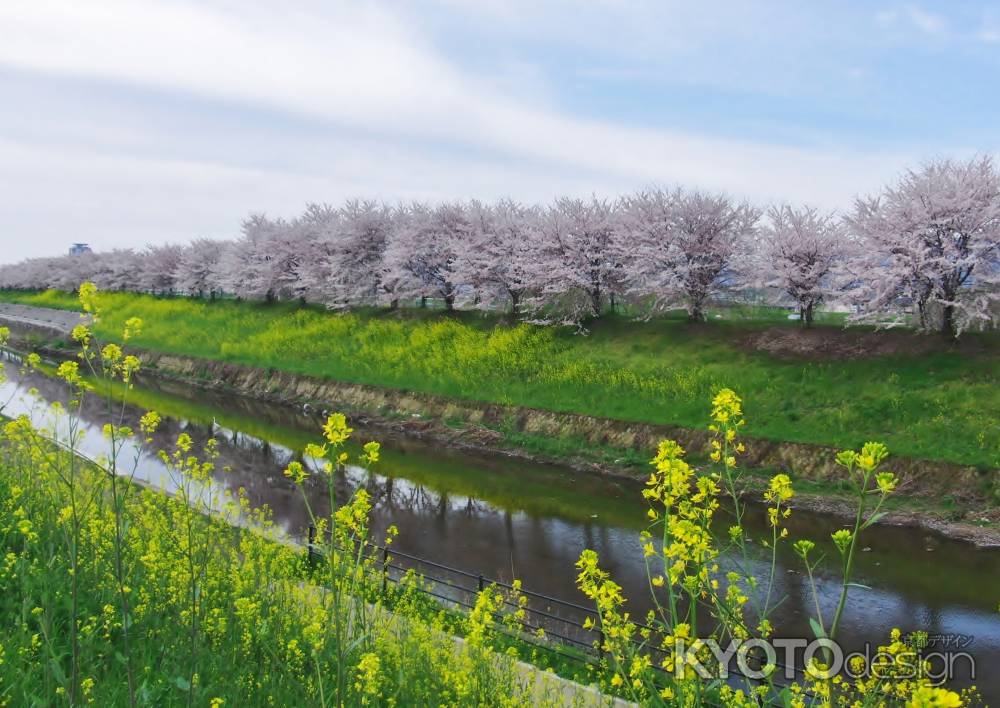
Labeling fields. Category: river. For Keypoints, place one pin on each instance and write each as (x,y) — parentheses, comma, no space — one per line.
(507,518)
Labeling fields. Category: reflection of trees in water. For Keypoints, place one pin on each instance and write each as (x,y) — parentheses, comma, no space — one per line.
(263,462)
(255,465)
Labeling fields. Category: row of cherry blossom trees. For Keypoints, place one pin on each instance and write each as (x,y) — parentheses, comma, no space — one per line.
(925,250)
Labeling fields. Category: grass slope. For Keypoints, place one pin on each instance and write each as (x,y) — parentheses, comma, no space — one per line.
(941,404)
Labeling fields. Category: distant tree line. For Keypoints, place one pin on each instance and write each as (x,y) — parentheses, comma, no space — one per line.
(926,249)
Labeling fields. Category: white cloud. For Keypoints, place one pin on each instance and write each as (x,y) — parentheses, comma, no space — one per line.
(925,21)
(386,94)
(886,17)
(912,17)
(353,64)
(989,34)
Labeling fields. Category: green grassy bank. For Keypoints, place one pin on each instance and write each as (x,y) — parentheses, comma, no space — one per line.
(220,614)
(923,398)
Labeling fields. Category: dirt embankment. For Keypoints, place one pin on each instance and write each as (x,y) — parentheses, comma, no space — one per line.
(813,462)
(826,343)
(973,491)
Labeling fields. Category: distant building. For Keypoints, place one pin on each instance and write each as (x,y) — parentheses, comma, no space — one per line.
(78,249)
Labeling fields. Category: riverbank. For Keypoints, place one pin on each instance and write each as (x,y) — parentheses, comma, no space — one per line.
(949,499)
(831,387)
(931,494)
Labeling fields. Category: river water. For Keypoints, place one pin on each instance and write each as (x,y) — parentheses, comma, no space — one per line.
(507,518)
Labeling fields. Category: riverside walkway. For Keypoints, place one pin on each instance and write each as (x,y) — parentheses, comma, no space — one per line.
(62,321)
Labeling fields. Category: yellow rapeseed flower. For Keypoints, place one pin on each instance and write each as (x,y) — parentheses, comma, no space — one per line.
(886,482)
(933,697)
(842,539)
(111,353)
(780,489)
(371,452)
(133,327)
(88,298)
(296,472)
(315,451)
(336,430)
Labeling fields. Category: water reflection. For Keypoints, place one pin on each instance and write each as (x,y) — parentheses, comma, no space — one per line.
(506,518)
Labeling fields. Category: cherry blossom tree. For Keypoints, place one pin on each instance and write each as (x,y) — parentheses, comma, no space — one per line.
(932,243)
(118,270)
(157,266)
(356,237)
(648,226)
(685,245)
(578,265)
(67,272)
(307,242)
(421,257)
(59,272)
(197,271)
(929,243)
(291,248)
(498,259)
(798,253)
(25,275)
(252,268)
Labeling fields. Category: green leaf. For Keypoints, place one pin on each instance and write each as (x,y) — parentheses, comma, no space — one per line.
(182,683)
(144,692)
(875,518)
(57,671)
(859,585)
(817,628)
(786,697)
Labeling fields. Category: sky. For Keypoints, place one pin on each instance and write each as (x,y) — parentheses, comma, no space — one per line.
(129,122)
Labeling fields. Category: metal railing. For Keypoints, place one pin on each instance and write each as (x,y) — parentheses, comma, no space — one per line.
(562,621)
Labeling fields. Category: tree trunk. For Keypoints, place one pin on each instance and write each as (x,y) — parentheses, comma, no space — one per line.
(515,302)
(595,302)
(807,315)
(948,322)
(922,308)
(696,313)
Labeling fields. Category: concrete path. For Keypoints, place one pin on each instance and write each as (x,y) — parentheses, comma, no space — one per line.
(62,321)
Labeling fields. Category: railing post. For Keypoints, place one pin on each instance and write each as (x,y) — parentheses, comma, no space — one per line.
(385,569)
(482,583)
(312,542)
